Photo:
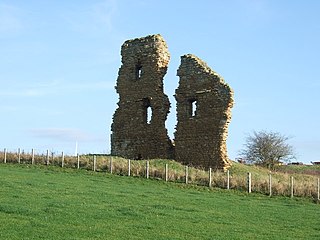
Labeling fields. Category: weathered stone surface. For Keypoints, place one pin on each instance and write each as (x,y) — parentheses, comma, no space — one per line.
(204,103)
(138,129)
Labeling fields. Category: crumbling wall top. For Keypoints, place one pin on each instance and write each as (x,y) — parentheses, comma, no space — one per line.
(197,77)
(153,47)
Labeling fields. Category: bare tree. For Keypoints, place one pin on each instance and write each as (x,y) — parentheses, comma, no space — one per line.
(267,149)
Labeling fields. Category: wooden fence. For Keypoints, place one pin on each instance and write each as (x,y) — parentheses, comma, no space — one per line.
(187,175)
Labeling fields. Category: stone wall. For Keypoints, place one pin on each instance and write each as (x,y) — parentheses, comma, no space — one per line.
(204,103)
(138,129)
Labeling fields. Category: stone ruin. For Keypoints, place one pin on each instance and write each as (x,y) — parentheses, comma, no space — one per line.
(204,103)
(138,129)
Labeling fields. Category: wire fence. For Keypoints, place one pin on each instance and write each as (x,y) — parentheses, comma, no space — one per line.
(292,185)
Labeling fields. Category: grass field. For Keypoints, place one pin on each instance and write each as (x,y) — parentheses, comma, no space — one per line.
(305,177)
(38,202)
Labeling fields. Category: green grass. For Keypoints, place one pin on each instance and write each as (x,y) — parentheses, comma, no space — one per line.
(305,177)
(37,202)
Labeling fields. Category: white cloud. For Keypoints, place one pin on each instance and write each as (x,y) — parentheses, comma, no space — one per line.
(10,21)
(98,16)
(21,93)
(103,12)
(55,87)
(61,134)
(8,108)
(99,85)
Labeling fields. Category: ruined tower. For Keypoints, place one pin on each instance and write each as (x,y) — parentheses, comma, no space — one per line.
(204,103)
(138,129)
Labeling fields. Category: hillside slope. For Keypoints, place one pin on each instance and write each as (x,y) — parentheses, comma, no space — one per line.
(53,203)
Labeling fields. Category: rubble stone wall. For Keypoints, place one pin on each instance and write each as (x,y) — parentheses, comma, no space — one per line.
(204,103)
(138,129)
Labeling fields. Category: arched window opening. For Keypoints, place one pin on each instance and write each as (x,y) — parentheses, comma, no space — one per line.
(192,107)
(147,111)
(149,114)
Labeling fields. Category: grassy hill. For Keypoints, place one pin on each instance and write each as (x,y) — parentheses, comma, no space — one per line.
(39,202)
(305,177)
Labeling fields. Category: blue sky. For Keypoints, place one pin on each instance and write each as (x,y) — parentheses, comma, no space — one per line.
(59,62)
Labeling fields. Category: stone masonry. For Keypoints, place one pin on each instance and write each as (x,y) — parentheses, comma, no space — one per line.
(138,129)
(204,103)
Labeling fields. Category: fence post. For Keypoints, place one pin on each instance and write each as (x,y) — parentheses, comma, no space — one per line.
(19,155)
(5,155)
(291,178)
(32,156)
(147,169)
(129,167)
(249,182)
(318,189)
(62,159)
(52,157)
(94,163)
(228,179)
(47,157)
(270,184)
(187,175)
(78,161)
(110,165)
(166,172)
(210,177)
